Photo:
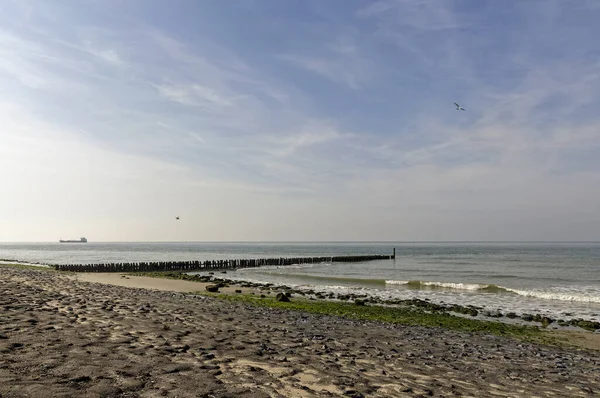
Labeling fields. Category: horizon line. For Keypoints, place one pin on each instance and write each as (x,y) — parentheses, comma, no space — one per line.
(323,241)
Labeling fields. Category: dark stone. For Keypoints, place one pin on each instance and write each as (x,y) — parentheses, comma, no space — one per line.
(282,297)
(212,288)
(353,394)
(176,368)
(80,379)
(359,302)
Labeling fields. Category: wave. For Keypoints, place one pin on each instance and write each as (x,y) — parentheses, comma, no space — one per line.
(559,295)
(562,294)
(450,285)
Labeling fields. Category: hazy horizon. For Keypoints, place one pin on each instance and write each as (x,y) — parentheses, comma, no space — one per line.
(324,241)
(300,121)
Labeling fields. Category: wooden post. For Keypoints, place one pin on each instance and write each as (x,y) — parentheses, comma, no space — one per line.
(394,256)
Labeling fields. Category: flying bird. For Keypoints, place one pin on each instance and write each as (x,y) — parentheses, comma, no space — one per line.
(177,217)
(458,107)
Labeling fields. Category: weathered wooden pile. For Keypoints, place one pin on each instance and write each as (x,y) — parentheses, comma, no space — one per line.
(165,266)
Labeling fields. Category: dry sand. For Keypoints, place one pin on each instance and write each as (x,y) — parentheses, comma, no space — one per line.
(63,337)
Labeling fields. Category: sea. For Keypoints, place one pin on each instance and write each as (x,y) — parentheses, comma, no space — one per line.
(556,279)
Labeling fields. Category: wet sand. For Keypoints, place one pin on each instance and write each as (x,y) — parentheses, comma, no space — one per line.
(146,282)
(61,336)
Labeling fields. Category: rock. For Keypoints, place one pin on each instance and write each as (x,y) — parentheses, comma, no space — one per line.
(359,302)
(176,368)
(589,325)
(212,288)
(238,291)
(353,394)
(80,379)
(282,297)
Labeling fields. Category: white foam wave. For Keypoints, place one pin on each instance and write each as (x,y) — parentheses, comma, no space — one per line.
(457,286)
(446,285)
(558,295)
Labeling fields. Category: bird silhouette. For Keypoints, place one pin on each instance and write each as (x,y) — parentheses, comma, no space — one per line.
(177,217)
(458,107)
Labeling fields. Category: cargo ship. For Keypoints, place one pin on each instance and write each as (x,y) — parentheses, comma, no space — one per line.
(81,240)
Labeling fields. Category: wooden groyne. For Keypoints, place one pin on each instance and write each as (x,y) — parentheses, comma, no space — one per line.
(214,265)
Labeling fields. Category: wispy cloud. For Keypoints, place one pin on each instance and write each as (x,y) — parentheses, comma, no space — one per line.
(194,95)
(427,15)
(231,127)
(333,69)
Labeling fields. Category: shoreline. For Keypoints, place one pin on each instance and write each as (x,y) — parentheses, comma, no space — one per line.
(229,286)
(468,311)
(517,305)
(249,292)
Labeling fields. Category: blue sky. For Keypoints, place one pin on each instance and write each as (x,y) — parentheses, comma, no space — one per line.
(300,120)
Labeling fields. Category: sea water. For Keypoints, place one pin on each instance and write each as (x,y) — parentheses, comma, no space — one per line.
(561,280)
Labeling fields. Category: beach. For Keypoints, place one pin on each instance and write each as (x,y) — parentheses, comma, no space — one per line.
(554,280)
(61,336)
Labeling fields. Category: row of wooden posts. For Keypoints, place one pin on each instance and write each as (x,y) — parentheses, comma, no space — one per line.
(164,266)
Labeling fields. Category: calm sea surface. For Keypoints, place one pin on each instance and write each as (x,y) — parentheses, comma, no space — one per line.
(558,279)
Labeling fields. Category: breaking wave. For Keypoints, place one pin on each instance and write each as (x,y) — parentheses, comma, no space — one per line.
(490,288)
(563,294)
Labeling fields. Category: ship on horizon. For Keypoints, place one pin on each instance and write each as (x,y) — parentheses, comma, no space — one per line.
(81,240)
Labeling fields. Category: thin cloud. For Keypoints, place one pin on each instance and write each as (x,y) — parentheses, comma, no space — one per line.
(330,68)
(126,120)
(194,95)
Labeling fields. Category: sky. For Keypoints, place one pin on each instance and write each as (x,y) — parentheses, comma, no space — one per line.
(299,120)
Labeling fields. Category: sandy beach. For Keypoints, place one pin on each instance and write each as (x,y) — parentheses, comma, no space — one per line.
(67,336)
(146,282)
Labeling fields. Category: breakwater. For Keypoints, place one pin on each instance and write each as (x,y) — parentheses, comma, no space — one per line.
(212,265)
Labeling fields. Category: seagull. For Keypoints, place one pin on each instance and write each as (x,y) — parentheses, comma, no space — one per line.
(458,107)
(177,218)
